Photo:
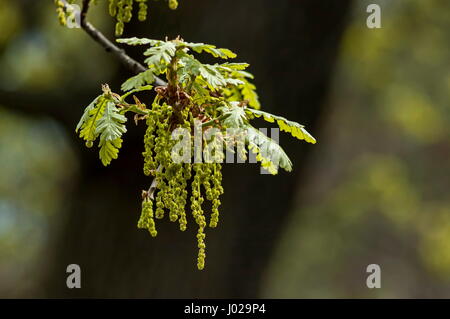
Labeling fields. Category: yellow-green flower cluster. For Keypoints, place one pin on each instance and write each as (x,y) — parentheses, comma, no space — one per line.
(173,4)
(172,178)
(197,213)
(216,191)
(142,14)
(122,10)
(61,11)
(146,220)
(154,123)
(65,10)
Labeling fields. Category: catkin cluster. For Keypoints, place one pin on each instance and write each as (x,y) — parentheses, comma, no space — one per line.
(209,176)
(170,196)
(61,10)
(122,10)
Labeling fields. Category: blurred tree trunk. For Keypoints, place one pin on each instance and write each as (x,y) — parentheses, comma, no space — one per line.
(292,47)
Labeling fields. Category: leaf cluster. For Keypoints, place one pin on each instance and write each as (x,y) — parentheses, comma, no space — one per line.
(220,95)
(197,97)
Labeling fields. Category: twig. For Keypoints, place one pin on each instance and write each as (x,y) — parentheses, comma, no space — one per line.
(129,62)
(98,37)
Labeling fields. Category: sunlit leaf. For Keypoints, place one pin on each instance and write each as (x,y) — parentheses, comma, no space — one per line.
(297,130)
(138,81)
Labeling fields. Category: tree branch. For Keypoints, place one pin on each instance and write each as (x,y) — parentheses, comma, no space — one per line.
(129,62)
(133,65)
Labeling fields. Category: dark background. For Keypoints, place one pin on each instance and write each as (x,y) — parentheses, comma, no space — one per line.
(373,190)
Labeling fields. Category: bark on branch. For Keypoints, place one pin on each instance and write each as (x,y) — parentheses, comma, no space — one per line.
(133,65)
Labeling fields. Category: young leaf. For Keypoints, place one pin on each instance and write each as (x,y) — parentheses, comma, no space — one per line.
(234,66)
(297,130)
(110,128)
(248,91)
(201,92)
(139,80)
(160,55)
(89,121)
(109,150)
(188,66)
(86,113)
(233,115)
(267,151)
(211,49)
(245,90)
(212,76)
(136,41)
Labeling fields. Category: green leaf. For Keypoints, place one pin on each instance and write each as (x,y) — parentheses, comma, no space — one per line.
(243,74)
(86,113)
(226,53)
(136,41)
(188,67)
(233,115)
(139,80)
(234,66)
(160,55)
(297,130)
(232,94)
(89,121)
(267,151)
(111,125)
(248,91)
(234,82)
(212,76)
(211,49)
(109,150)
(201,93)
(110,128)
(209,74)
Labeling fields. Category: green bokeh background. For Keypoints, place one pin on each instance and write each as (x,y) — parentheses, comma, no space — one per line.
(376,188)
